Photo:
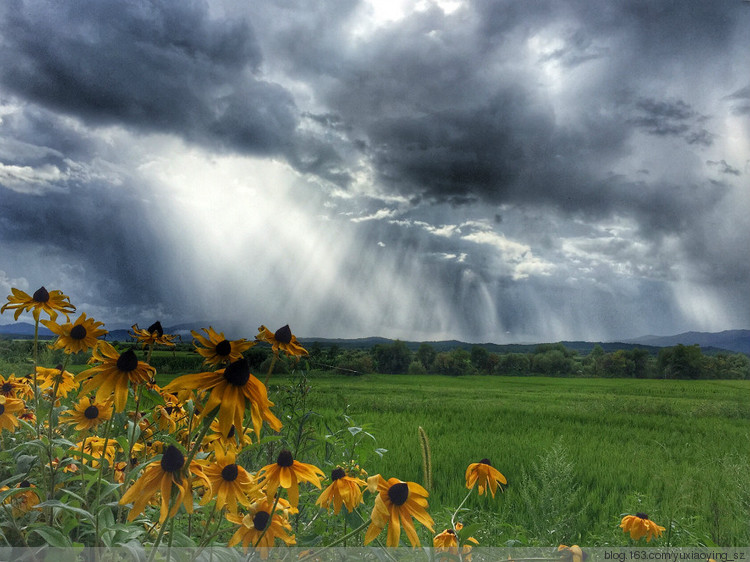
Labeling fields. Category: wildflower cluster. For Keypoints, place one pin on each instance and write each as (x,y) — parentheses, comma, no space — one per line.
(112,445)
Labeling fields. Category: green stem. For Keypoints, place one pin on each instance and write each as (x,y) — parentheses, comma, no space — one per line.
(453,517)
(162,528)
(338,541)
(270,369)
(101,469)
(36,387)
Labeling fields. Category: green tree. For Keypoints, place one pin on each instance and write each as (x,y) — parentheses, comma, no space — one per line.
(426,355)
(393,358)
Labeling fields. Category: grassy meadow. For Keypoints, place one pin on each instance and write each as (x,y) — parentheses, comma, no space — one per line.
(577,453)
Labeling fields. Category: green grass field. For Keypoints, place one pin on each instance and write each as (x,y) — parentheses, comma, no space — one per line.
(578,453)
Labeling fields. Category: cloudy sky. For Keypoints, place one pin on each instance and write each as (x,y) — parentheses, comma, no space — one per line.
(492,171)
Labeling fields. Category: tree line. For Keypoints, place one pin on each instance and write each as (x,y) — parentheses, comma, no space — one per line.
(678,362)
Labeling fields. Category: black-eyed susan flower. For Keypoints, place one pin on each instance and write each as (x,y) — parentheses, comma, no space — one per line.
(260,528)
(152,335)
(94,448)
(8,408)
(446,539)
(41,301)
(485,475)
(22,502)
(570,553)
(49,379)
(113,374)
(344,490)
(288,473)
(282,339)
(15,387)
(232,440)
(639,526)
(87,414)
(81,335)
(216,349)
(231,390)
(168,476)
(396,504)
(230,483)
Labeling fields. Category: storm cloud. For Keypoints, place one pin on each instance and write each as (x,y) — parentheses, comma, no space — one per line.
(487,171)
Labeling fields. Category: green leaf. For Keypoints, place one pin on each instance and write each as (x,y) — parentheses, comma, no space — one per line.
(466,532)
(65,507)
(354,430)
(52,537)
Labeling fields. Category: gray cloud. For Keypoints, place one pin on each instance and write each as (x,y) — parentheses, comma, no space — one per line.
(163,67)
(539,167)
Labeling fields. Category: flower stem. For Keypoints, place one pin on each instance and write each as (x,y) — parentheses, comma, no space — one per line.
(270,369)
(36,387)
(338,541)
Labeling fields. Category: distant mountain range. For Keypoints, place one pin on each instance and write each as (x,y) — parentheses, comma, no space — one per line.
(710,342)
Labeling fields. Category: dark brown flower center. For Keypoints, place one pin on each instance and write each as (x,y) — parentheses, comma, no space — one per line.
(399,493)
(231,432)
(641,515)
(41,295)
(338,473)
(128,361)
(78,332)
(25,484)
(283,334)
(451,532)
(133,461)
(223,348)
(6,388)
(260,520)
(172,460)
(91,413)
(2,409)
(285,458)
(229,472)
(156,327)
(486,461)
(237,373)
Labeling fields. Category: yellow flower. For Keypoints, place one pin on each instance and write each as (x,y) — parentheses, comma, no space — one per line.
(396,504)
(446,539)
(283,340)
(113,374)
(14,387)
(287,473)
(48,378)
(24,501)
(570,553)
(94,447)
(230,483)
(41,300)
(344,490)
(87,414)
(216,349)
(164,476)
(485,475)
(8,407)
(154,334)
(259,522)
(231,389)
(233,440)
(80,336)
(639,526)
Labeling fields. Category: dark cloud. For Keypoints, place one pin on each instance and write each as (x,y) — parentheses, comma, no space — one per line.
(164,67)
(508,166)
